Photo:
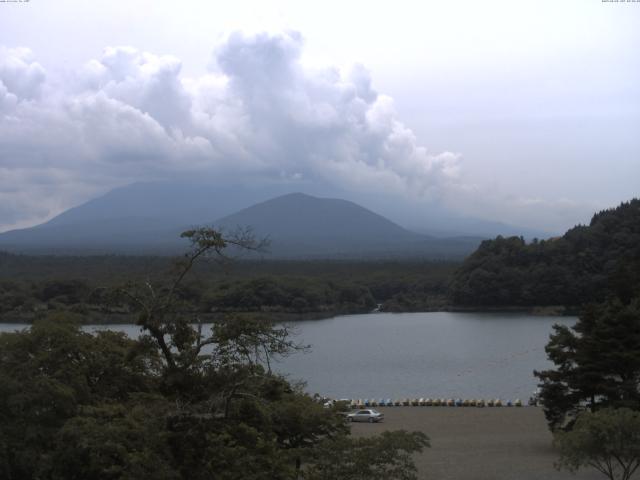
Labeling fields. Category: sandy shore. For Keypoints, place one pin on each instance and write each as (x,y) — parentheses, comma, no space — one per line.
(478,443)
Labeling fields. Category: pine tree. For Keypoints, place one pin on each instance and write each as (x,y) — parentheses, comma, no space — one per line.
(597,363)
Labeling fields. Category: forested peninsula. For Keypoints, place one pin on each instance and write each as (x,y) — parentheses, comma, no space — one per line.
(585,265)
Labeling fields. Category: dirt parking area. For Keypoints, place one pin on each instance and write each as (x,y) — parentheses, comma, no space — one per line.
(470,443)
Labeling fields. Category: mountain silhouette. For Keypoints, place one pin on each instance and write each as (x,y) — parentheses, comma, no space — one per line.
(149,218)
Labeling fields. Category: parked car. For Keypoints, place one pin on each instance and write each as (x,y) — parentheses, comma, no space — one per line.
(367,415)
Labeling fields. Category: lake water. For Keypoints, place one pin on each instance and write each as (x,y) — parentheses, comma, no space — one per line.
(435,354)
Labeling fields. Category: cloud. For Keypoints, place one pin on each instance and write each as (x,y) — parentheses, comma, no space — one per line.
(131,115)
(20,73)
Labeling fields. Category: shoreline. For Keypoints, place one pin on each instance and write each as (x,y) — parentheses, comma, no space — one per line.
(280,317)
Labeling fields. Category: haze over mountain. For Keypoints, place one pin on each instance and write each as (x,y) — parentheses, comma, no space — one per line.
(147,218)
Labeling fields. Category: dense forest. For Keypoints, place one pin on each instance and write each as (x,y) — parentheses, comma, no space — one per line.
(32,286)
(587,264)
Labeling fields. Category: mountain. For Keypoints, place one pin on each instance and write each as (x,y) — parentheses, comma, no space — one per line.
(298,216)
(148,219)
(300,225)
(172,203)
(138,218)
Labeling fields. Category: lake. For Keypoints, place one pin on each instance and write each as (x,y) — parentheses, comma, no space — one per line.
(434,354)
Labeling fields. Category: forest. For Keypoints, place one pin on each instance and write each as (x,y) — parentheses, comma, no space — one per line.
(31,286)
(587,264)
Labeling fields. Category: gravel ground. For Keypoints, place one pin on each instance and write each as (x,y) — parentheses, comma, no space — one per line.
(469,443)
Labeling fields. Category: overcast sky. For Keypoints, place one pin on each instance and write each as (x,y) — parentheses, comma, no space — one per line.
(526,112)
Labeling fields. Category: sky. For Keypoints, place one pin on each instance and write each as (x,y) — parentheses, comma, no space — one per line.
(526,112)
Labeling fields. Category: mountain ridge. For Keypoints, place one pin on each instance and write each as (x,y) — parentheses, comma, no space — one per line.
(148,219)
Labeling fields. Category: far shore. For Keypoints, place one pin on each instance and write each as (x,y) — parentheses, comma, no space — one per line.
(280,317)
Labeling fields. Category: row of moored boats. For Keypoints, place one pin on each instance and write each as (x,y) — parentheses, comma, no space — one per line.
(434,402)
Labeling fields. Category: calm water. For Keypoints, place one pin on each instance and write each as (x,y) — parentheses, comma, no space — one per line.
(416,354)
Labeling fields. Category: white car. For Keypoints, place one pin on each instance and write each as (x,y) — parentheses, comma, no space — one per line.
(367,415)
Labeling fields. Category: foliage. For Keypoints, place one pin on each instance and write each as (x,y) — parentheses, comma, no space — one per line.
(597,363)
(376,458)
(607,440)
(32,286)
(176,403)
(47,375)
(586,264)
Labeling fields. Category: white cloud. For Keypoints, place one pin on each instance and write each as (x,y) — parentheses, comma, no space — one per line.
(20,73)
(131,115)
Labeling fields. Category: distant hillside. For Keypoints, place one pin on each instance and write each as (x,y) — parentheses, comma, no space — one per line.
(586,264)
(302,226)
(172,203)
(141,220)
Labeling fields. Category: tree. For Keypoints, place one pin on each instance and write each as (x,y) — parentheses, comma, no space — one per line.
(376,458)
(156,303)
(49,374)
(176,403)
(597,363)
(607,440)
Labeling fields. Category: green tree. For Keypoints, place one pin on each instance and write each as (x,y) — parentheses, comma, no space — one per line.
(177,403)
(607,440)
(48,374)
(375,458)
(597,363)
